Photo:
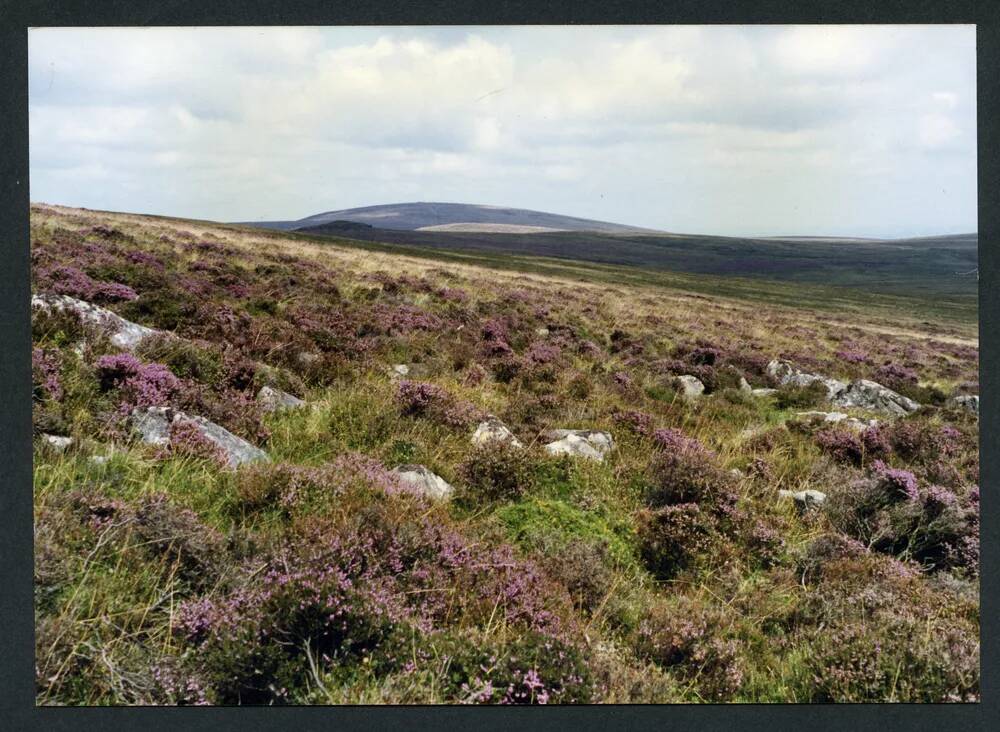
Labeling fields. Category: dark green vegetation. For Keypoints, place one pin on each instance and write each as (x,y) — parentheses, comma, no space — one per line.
(939,266)
(657,575)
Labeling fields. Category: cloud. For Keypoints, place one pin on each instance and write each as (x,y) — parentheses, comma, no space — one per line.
(710,129)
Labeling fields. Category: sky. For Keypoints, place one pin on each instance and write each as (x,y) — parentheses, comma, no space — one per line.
(738,130)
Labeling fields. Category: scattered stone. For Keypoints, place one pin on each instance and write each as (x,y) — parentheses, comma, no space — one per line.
(763,392)
(153,424)
(423,480)
(99,459)
(785,373)
(814,419)
(399,371)
(966,401)
(272,399)
(737,473)
(57,442)
(745,386)
(541,331)
(805,499)
(591,444)
(493,430)
(123,333)
(690,387)
(870,395)
(307,358)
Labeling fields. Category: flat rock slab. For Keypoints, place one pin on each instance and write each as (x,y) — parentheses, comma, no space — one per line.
(123,333)
(153,425)
(272,399)
(763,392)
(493,430)
(818,418)
(592,444)
(424,481)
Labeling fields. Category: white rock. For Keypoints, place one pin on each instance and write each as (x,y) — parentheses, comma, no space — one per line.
(153,425)
(805,499)
(99,459)
(541,331)
(870,395)
(272,399)
(689,387)
(57,442)
(966,401)
(423,480)
(398,371)
(785,373)
(493,430)
(591,444)
(763,392)
(123,333)
(745,386)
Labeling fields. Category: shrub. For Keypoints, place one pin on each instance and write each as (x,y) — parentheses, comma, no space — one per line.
(673,536)
(855,448)
(496,472)
(791,396)
(689,638)
(419,399)
(140,384)
(684,471)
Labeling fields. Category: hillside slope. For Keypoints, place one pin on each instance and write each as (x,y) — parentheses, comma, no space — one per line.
(661,563)
(412,216)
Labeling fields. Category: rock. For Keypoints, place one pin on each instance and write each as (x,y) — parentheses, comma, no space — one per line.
(819,418)
(272,399)
(966,401)
(763,392)
(745,386)
(689,387)
(56,442)
(307,358)
(785,373)
(870,395)
(541,331)
(424,481)
(99,459)
(398,371)
(805,499)
(737,473)
(123,333)
(493,430)
(591,444)
(153,424)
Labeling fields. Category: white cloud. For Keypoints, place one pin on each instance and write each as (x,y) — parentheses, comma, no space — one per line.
(670,127)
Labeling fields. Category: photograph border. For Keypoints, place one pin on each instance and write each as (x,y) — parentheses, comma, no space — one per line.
(17,703)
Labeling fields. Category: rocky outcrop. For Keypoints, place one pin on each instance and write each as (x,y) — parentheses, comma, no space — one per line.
(784,373)
(123,333)
(763,392)
(153,425)
(745,386)
(493,430)
(860,394)
(969,402)
(689,387)
(805,499)
(870,395)
(424,481)
(272,399)
(591,444)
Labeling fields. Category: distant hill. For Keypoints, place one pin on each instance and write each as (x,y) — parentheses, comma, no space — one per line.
(940,265)
(454,216)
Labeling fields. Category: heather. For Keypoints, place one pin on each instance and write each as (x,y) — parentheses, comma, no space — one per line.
(670,571)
